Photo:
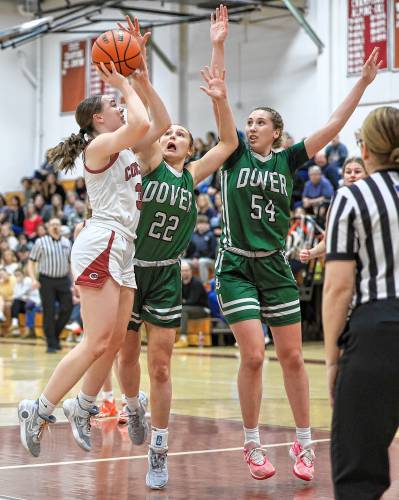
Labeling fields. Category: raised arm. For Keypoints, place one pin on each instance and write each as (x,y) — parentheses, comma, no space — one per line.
(218,33)
(148,148)
(228,142)
(341,115)
(129,134)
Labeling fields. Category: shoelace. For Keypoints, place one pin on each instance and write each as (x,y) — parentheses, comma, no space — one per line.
(42,427)
(134,419)
(158,460)
(307,457)
(257,456)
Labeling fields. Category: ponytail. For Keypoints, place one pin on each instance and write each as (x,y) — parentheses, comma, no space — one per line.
(63,155)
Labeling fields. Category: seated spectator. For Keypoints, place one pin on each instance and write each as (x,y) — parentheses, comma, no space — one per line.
(287,140)
(52,187)
(17,215)
(77,215)
(23,241)
(41,230)
(4,246)
(194,301)
(317,193)
(214,185)
(211,140)
(27,188)
(7,234)
(330,172)
(23,252)
(80,188)
(75,323)
(9,261)
(205,206)
(7,283)
(37,188)
(42,209)
(216,219)
(336,152)
(32,221)
(202,248)
(26,300)
(57,208)
(69,206)
(199,149)
(4,210)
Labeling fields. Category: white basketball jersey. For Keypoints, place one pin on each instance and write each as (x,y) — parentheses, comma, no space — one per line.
(114,192)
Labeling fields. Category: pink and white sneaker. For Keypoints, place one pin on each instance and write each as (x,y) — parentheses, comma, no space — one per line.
(258,463)
(304,461)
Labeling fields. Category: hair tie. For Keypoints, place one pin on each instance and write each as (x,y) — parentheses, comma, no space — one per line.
(82,131)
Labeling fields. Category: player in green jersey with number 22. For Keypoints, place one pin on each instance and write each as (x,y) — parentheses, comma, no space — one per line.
(167,221)
(254,282)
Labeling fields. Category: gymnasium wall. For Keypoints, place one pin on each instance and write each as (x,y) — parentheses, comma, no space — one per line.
(17,108)
(271,63)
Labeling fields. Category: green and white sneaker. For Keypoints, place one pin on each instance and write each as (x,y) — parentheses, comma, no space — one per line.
(137,424)
(80,421)
(157,475)
(32,425)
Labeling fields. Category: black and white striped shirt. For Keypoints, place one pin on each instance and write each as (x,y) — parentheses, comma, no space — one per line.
(52,256)
(364,226)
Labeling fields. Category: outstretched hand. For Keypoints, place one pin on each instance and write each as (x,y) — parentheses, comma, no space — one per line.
(219,25)
(112,77)
(216,83)
(371,66)
(134,31)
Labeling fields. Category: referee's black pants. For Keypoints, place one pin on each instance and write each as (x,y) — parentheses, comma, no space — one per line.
(53,290)
(366,407)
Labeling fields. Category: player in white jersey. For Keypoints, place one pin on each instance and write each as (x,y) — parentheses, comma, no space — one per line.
(102,255)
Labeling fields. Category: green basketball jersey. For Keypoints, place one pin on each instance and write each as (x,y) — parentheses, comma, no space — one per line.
(168,214)
(256,194)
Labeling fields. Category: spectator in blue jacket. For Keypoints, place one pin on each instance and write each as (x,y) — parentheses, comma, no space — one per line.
(317,193)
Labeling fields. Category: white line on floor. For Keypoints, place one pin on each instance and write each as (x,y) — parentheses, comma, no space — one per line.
(140,457)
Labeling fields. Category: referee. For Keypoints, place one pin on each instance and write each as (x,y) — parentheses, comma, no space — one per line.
(363,258)
(51,254)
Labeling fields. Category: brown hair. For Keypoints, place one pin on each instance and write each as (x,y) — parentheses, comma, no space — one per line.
(63,155)
(380,132)
(354,159)
(277,123)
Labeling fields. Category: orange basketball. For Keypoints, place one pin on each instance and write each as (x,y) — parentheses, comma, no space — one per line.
(119,47)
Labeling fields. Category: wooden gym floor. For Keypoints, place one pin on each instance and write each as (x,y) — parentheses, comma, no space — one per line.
(205,435)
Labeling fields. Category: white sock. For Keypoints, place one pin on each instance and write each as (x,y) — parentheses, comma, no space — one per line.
(46,408)
(304,436)
(133,403)
(123,398)
(108,395)
(86,402)
(183,337)
(251,435)
(14,322)
(159,438)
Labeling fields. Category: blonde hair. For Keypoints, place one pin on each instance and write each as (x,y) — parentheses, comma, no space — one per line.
(380,132)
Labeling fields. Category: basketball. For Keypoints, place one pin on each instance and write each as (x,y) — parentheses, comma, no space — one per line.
(117,46)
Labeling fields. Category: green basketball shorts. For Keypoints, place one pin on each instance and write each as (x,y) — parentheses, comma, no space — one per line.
(158,296)
(261,288)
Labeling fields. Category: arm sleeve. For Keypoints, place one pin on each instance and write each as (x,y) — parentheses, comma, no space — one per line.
(236,155)
(36,251)
(341,240)
(296,156)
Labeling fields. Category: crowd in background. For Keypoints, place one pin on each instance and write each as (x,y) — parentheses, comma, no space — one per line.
(24,218)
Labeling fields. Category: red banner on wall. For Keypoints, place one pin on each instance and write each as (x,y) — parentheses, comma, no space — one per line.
(396,35)
(73,75)
(367,28)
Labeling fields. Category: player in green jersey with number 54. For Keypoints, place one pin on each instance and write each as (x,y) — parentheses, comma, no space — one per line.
(167,221)
(254,282)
